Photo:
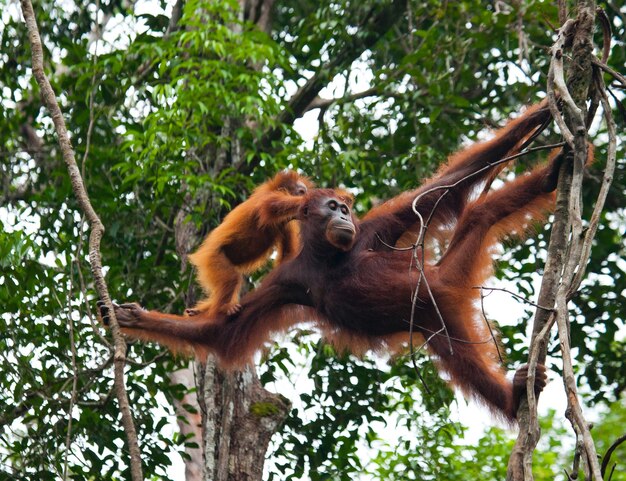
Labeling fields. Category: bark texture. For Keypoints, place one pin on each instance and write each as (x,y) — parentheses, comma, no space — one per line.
(240,417)
(565,251)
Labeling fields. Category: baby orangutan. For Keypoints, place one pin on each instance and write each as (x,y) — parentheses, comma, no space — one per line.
(246,238)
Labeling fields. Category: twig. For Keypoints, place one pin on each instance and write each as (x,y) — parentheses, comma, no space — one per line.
(550,309)
(618,76)
(618,103)
(423,278)
(460,340)
(74,393)
(607,179)
(419,246)
(95,236)
(609,453)
(156,358)
(478,172)
(414,299)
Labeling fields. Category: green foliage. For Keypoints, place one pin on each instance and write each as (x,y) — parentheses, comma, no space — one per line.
(345,408)
(183,123)
(606,433)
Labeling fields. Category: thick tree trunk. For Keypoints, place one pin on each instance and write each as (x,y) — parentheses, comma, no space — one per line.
(239,418)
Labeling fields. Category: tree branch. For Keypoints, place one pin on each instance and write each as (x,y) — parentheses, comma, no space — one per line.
(148,66)
(97,230)
(619,77)
(177,13)
(567,255)
(609,452)
(377,25)
(320,103)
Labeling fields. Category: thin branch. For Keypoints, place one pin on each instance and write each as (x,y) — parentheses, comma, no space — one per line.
(606,33)
(320,103)
(606,50)
(373,27)
(95,236)
(619,77)
(549,309)
(422,277)
(418,250)
(578,454)
(149,362)
(609,453)
(607,179)
(177,13)
(74,392)
(493,337)
(478,172)
(147,67)
(168,229)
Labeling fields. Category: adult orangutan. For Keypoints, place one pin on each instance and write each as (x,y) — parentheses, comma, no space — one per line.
(360,289)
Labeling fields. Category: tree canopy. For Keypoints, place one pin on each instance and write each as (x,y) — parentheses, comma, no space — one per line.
(176,110)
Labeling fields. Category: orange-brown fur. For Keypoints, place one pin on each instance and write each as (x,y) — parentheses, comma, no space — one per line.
(246,238)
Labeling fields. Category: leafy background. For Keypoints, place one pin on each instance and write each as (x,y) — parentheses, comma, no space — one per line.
(151,113)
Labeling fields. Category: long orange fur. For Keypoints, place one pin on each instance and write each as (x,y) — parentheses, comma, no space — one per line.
(246,238)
